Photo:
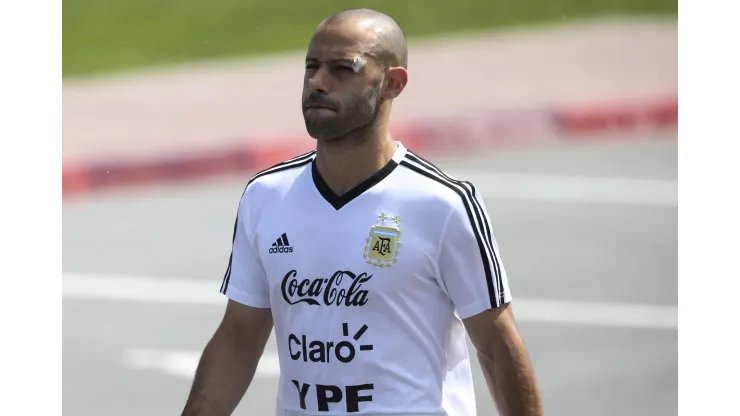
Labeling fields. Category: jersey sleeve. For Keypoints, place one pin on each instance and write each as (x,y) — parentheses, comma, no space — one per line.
(245,280)
(471,270)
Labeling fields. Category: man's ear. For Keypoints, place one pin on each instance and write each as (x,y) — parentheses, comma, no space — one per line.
(397,78)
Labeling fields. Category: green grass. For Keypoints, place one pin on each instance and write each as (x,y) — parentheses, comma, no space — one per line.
(105,35)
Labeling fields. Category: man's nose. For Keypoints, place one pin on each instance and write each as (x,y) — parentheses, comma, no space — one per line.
(320,81)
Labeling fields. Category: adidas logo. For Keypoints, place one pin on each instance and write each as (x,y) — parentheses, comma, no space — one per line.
(281,245)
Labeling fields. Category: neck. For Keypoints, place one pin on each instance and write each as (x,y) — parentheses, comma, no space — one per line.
(344,164)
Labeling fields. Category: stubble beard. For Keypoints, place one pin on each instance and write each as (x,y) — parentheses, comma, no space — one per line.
(353,124)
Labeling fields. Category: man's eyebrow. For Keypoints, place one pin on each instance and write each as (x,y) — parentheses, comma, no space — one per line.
(347,61)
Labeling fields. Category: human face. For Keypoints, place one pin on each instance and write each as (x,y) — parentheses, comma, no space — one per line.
(337,101)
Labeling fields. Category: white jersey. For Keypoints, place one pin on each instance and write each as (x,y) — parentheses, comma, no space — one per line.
(367,290)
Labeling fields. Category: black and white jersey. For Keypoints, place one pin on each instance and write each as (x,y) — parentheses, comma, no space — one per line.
(368,289)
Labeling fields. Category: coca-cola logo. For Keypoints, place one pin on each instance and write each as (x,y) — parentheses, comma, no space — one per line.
(329,291)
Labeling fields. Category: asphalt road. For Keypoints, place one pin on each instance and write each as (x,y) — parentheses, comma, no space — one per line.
(560,241)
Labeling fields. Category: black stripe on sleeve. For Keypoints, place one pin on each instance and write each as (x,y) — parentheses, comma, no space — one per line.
(480,212)
(492,247)
(478,222)
(227,275)
(469,189)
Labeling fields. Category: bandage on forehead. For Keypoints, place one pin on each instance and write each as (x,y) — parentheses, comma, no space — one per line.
(358,63)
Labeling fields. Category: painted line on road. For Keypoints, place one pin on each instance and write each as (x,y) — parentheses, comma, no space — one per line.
(183,363)
(205,292)
(572,189)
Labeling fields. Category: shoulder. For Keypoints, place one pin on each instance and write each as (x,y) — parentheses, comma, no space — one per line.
(439,186)
(275,179)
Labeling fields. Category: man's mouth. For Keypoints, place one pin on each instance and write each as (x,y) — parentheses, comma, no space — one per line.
(319,105)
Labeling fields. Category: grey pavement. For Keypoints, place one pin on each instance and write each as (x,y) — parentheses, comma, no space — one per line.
(567,251)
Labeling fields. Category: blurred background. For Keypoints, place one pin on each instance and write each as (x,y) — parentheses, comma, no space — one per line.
(562,112)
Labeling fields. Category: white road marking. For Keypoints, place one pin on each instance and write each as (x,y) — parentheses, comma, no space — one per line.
(206,292)
(573,189)
(182,363)
(142,289)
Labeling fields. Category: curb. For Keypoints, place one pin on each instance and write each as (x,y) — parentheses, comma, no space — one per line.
(457,134)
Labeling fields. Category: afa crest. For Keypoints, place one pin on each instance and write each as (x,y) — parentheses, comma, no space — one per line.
(382,245)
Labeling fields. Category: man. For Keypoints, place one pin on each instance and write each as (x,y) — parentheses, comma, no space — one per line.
(370,262)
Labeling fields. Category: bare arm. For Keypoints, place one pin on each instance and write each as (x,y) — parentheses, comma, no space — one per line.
(505,362)
(229,361)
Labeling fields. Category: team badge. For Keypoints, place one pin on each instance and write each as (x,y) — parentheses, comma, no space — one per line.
(382,245)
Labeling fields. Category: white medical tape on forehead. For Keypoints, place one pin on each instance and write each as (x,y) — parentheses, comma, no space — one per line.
(358,63)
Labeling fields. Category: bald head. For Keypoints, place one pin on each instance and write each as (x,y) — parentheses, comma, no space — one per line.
(388,40)
(355,68)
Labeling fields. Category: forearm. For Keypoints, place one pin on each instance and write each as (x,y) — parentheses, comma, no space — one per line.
(224,373)
(511,380)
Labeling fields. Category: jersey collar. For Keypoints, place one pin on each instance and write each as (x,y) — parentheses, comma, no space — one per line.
(338,201)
